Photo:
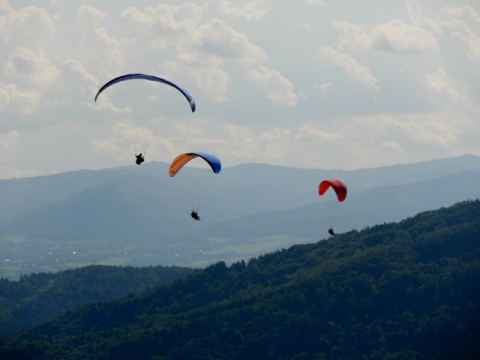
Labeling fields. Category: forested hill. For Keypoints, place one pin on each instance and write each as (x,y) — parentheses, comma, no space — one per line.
(406,290)
(39,297)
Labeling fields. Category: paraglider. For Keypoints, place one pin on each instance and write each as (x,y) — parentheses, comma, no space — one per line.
(177,164)
(182,159)
(194,215)
(140,158)
(338,185)
(185,93)
(340,189)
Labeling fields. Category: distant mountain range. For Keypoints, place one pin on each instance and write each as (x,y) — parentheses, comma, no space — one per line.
(139,215)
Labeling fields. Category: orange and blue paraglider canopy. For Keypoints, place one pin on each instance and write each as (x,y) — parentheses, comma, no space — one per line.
(182,159)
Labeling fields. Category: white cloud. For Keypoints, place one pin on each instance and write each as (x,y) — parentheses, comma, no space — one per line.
(427,129)
(14,100)
(6,12)
(31,26)
(93,46)
(254,10)
(126,135)
(244,143)
(394,36)
(7,140)
(76,85)
(276,134)
(166,27)
(184,39)
(90,16)
(279,89)
(399,37)
(355,37)
(440,82)
(33,66)
(218,39)
(76,69)
(463,23)
(315,3)
(4,96)
(306,26)
(309,132)
(215,82)
(414,11)
(238,61)
(21,61)
(352,67)
(392,145)
(323,88)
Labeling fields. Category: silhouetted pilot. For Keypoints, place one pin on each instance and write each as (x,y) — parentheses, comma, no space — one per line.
(194,215)
(140,159)
(331,232)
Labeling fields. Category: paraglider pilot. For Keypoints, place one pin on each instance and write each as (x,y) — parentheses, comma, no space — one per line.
(331,232)
(194,215)
(140,159)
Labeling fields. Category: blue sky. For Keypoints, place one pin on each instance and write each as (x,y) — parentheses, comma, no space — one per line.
(312,84)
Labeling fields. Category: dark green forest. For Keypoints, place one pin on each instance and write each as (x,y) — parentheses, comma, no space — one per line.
(40,297)
(407,290)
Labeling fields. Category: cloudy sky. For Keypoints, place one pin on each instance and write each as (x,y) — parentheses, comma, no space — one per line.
(313,84)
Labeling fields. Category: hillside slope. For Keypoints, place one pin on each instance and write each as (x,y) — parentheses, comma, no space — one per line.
(39,297)
(406,290)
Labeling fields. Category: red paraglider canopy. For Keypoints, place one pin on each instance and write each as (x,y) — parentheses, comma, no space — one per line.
(337,185)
